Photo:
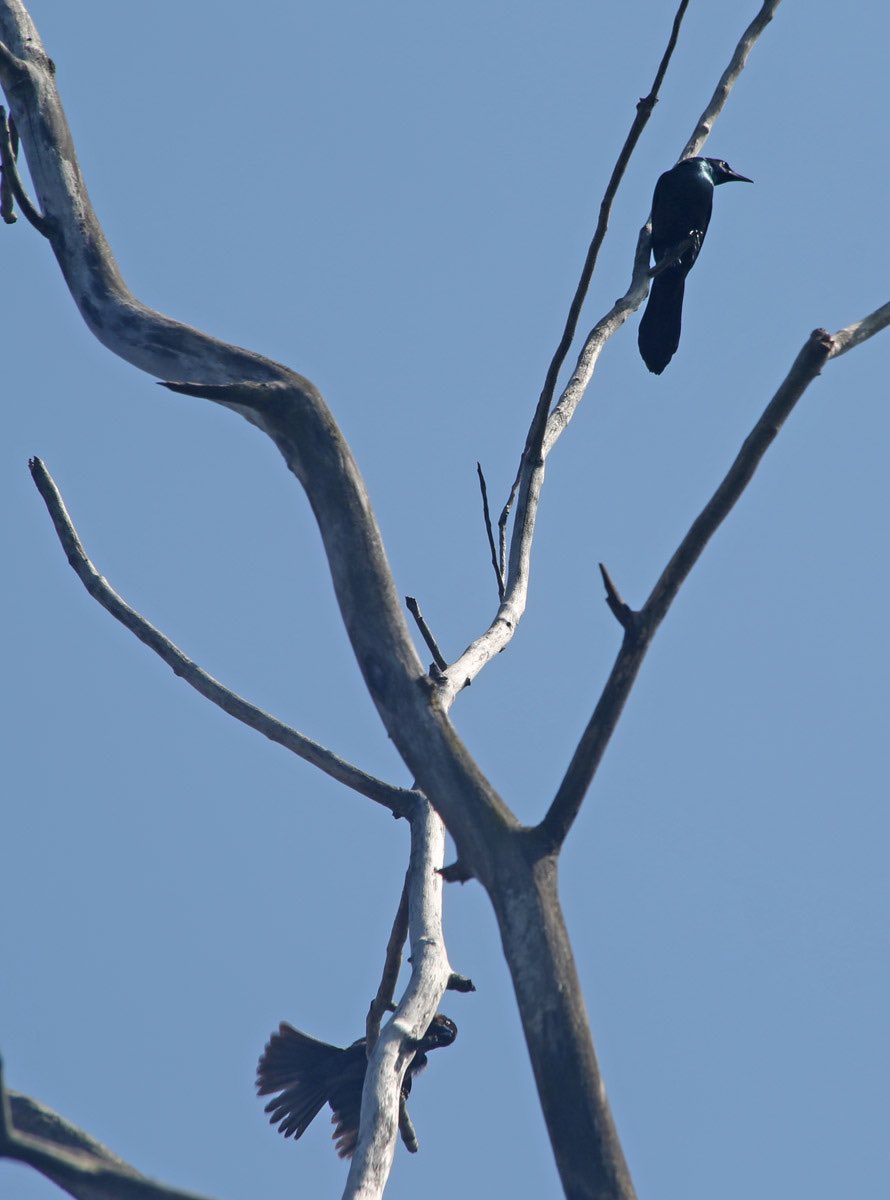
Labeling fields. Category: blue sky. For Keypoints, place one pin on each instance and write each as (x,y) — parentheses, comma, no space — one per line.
(396,201)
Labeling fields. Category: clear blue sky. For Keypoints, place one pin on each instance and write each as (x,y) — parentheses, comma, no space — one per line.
(396,200)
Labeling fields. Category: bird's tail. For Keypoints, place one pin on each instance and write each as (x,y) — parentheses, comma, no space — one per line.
(300,1069)
(659,333)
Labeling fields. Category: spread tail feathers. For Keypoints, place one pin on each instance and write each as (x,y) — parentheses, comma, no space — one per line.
(306,1074)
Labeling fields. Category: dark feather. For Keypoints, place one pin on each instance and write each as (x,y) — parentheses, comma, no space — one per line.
(306,1074)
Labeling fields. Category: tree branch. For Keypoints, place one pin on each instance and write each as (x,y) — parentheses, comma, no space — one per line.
(513,864)
(425,632)
(486,647)
(397,1043)
(623,613)
(383,1001)
(817,350)
(645,106)
(728,79)
(400,801)
(11,186)
(861,331)
(285,406)
(34,1135)
(530,476)
(497,563)
(547,426)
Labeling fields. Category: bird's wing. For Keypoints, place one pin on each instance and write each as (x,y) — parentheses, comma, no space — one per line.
(681,205)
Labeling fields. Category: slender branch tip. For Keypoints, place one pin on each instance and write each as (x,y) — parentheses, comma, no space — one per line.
(623,613)
(426,633)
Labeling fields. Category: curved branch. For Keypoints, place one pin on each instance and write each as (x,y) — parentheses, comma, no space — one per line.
(290,410)
(399,800)
(33,1134)
(11,186)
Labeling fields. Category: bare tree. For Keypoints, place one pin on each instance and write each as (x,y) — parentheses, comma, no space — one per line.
(514,863)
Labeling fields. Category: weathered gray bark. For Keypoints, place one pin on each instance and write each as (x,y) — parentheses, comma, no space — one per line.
(516,866)
(290,410)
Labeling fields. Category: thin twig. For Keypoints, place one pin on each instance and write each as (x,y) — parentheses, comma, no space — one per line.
(623,613)
(464,670)
(529,476)
(12,186)
(400,801)
(426,633)
(503,520)
(383,1001)
(539,444)
(7,151)
(535,438)
(486,513)
(639,634)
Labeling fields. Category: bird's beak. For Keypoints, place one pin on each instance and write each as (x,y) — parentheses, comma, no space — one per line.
(735,177)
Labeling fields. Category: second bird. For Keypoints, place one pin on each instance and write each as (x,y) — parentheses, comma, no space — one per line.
(681,207)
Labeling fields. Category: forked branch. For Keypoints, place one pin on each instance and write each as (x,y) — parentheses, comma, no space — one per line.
(640,627)
(549,420)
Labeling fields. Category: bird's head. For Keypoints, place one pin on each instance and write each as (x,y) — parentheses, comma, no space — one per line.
(721,172)
(442,1032)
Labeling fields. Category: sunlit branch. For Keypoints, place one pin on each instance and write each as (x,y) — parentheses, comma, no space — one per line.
(727,80)
(550,421)
(396,1044)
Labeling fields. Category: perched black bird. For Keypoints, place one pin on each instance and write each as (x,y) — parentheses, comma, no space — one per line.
(681,206)
(306,1074)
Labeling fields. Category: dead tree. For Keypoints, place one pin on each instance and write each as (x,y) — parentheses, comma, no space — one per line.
(514,863)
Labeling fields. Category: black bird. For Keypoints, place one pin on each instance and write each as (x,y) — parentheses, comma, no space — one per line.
(681,207)
(306,1073)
